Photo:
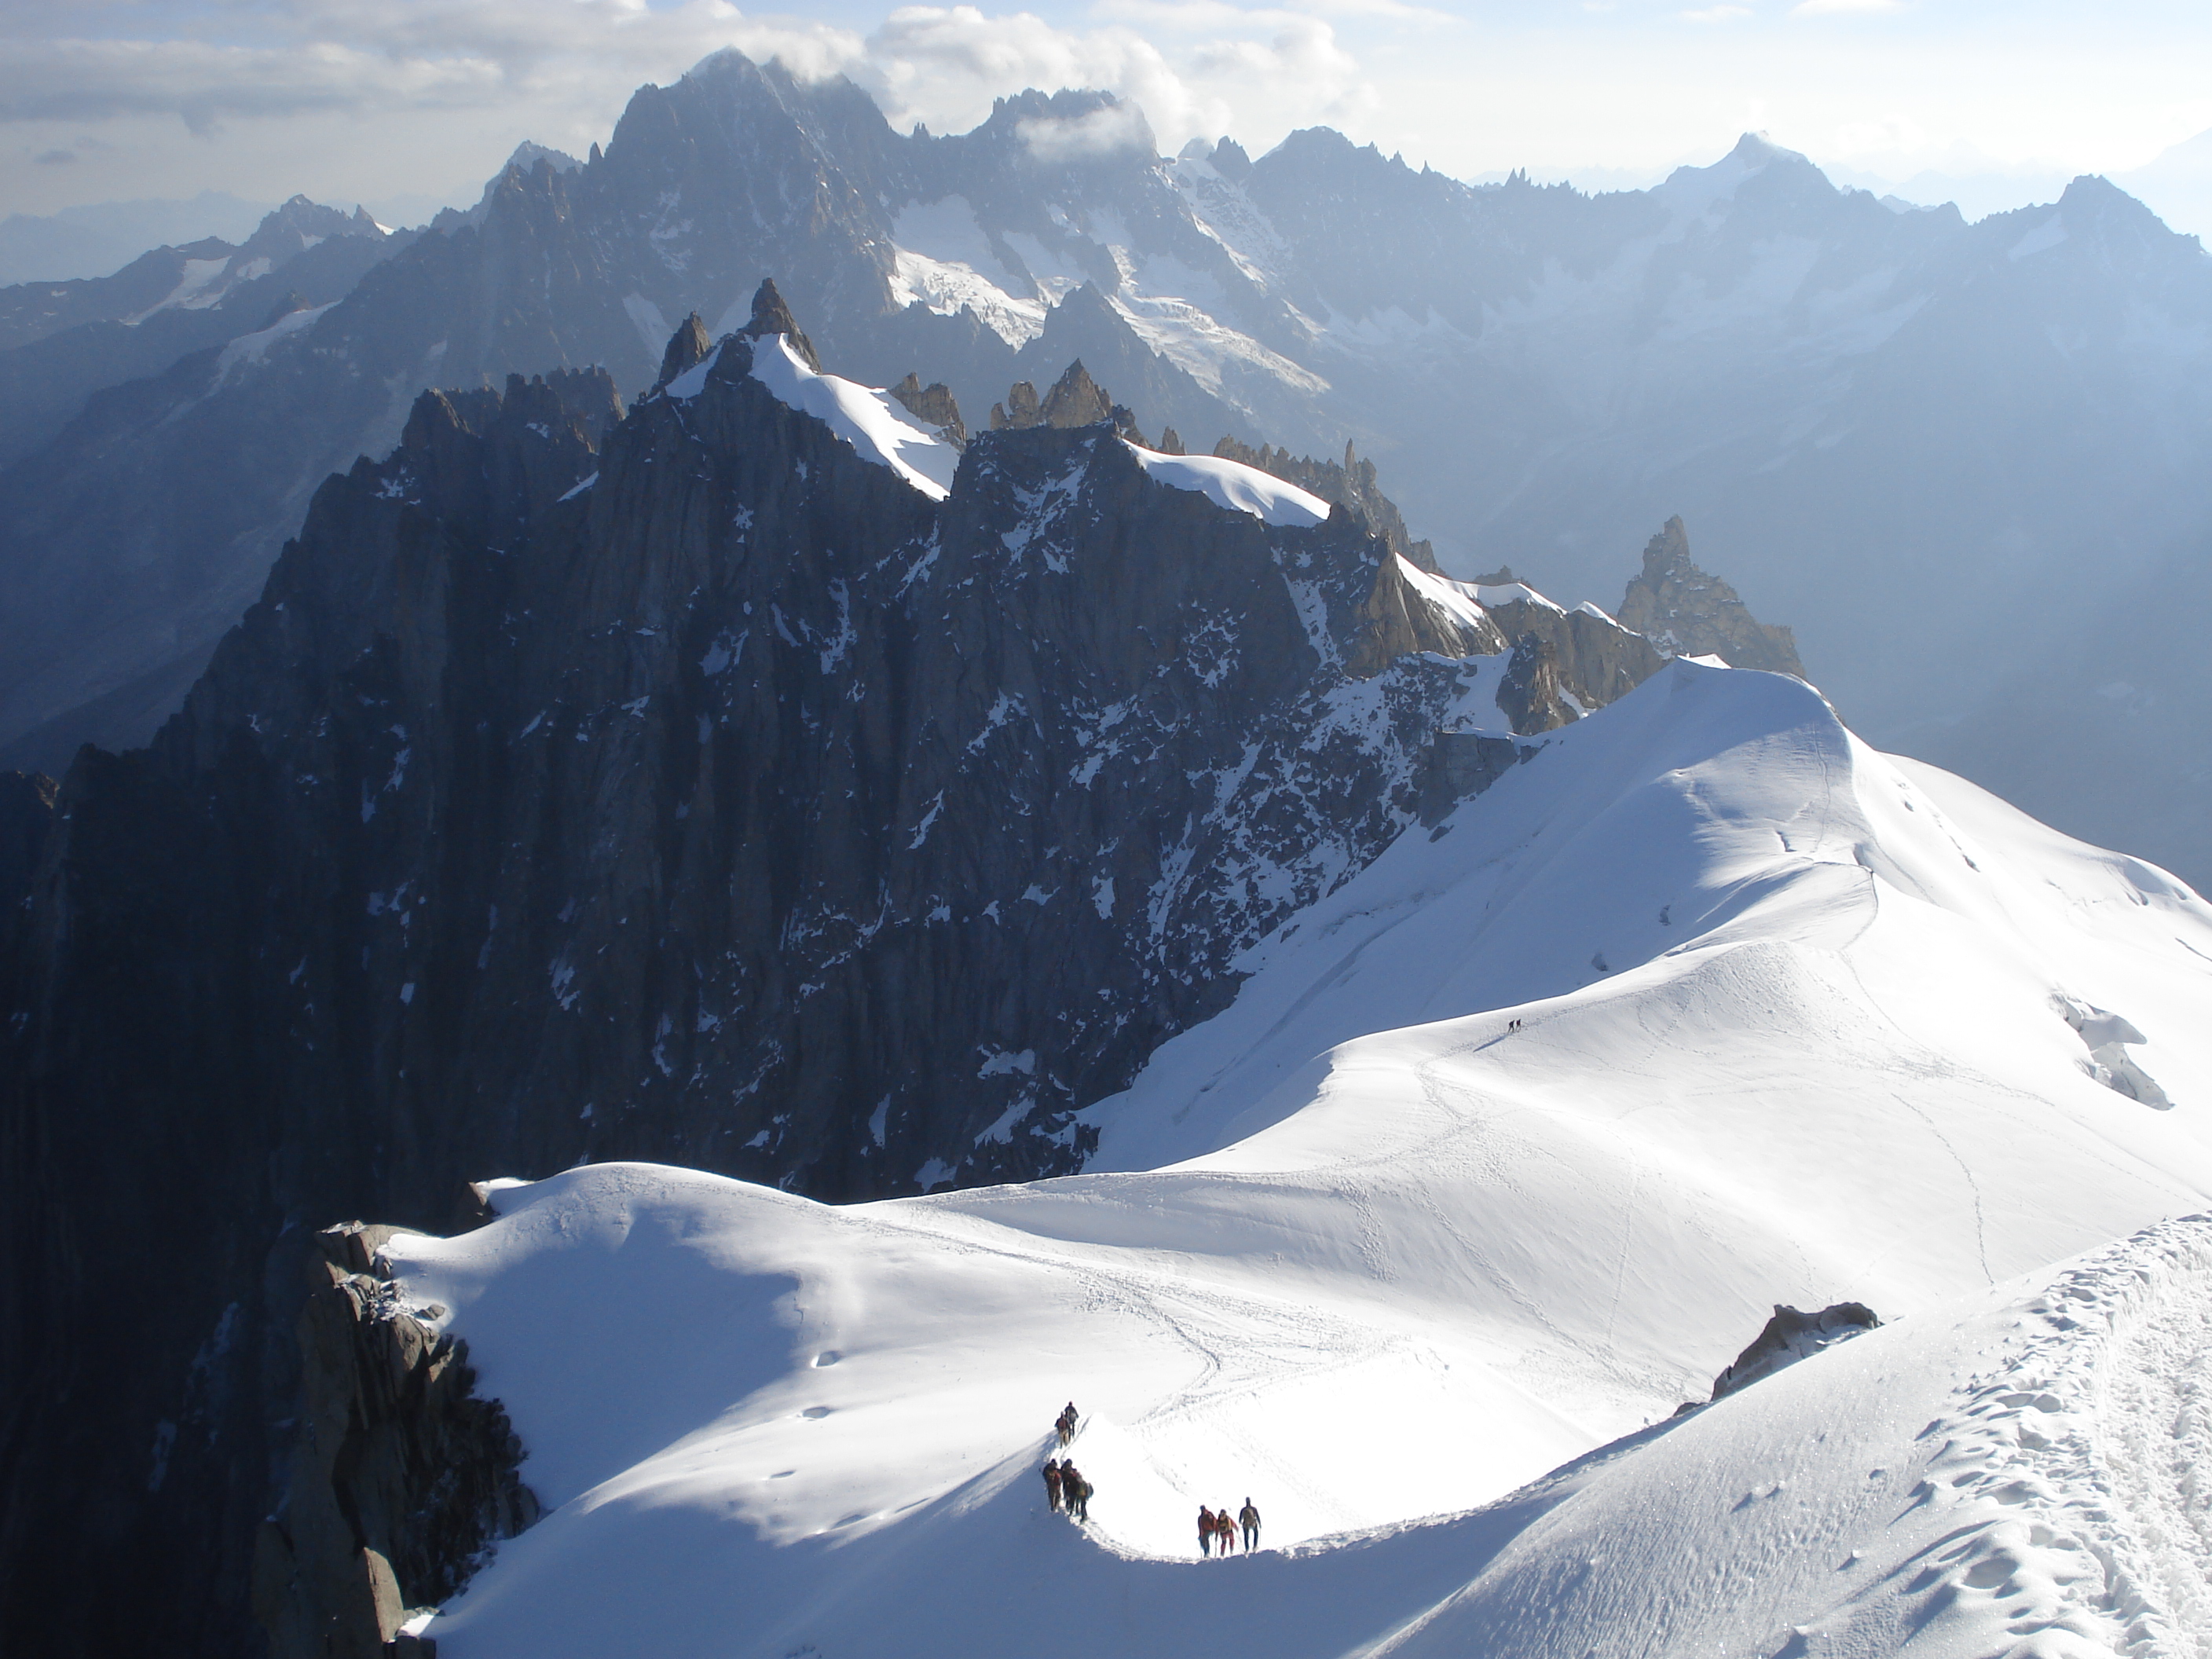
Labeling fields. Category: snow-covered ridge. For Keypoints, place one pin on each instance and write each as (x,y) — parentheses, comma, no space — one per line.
(1234,485)
(870,420)
(1360,1249)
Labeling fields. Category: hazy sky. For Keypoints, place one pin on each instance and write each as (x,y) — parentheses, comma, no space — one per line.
(402,101)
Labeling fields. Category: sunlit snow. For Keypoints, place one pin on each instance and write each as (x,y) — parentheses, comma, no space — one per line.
(1234,485)
(1800,1023)
(869,420)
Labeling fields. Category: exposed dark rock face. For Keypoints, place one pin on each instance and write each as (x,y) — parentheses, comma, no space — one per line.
(698,791)
(1401,618)
(1687,613)
(1535,694)
(1598,659)
(1791,1335)
(401,1479)
(1461,765)
(1351,482)
(27,814)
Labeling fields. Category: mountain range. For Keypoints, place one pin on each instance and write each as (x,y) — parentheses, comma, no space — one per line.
(755,777)
(1901,430)
(1083,880)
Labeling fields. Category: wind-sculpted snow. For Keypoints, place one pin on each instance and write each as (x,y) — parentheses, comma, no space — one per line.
(1233,484)
(863,416)
(1791,1028)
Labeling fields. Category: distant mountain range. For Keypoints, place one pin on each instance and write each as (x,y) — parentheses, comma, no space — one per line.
(1941,451)
(100,238)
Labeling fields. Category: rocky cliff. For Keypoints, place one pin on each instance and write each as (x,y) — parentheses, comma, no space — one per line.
(401,1480)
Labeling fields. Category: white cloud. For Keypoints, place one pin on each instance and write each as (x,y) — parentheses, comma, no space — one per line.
(1107,130)
(945,65)
(385,99)
(323,55)
(1194,70)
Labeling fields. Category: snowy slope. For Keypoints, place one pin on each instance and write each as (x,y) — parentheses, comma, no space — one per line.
(2012,1472)
(864,417)
(1801,1024)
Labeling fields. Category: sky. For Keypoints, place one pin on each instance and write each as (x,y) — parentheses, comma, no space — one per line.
(406,104)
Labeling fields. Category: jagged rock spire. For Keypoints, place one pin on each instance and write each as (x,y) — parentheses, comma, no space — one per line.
(1687,612)
(933,404)
(687,348)
(1075,399)
(772,316)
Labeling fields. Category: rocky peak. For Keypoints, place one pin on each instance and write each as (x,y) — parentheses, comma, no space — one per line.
(1687,612)
(688,348)
(528,153)
(299,224)
(770,316)
(1075,400)
(934,405)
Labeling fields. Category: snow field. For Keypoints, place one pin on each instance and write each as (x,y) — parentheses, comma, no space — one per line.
(1801,1023)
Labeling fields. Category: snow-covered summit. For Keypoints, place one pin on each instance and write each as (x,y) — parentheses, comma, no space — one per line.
(866,417)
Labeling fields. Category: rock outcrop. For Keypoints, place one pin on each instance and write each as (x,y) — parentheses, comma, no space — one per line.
(401,1481)
(1075,400)
(1598,659)
(1791,1335)
(932,405)
(1687,612)
(1400,616)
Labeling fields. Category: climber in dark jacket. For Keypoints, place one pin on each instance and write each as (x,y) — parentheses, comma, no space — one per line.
(1075,1491)
(1205,1531)
(1250,1518)
(1051,1482)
